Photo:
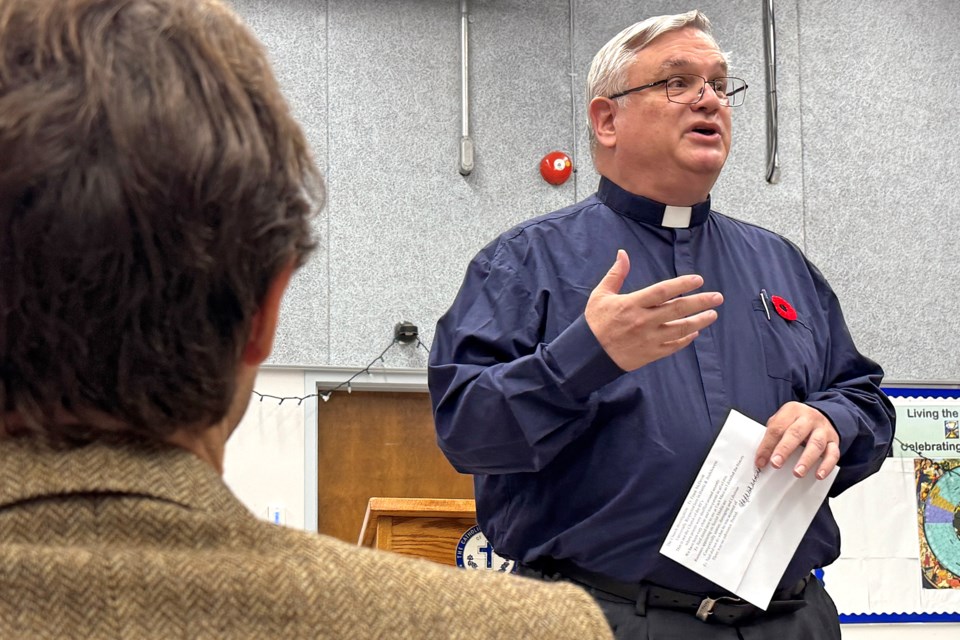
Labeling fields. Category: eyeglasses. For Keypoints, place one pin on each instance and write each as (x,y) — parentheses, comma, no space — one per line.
(688,89)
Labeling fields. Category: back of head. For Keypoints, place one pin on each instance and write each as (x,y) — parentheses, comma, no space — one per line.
(609,69)
(152,184)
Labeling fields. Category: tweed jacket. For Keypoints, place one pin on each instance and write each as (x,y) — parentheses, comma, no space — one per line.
(137,542)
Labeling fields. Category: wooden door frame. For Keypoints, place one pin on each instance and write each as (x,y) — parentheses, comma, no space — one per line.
(323,379)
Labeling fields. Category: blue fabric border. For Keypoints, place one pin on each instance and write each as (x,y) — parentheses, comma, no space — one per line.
(884,618)
(922,392)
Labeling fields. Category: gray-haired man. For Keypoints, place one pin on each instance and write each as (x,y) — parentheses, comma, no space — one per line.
(585,409)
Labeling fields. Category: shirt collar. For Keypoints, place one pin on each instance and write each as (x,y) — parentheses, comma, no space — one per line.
(650,211)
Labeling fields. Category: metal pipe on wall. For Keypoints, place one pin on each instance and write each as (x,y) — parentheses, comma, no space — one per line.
(466,142)
(770,56)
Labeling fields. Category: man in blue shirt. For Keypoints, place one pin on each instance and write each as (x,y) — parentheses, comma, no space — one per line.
(584,396)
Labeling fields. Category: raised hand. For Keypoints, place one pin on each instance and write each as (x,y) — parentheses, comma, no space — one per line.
(640,327)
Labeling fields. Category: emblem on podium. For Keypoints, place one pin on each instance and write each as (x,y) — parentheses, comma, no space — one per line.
(475,552)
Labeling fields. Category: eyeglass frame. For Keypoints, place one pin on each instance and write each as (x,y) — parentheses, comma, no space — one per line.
(702,88)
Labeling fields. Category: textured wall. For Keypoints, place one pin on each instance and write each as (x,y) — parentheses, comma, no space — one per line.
(881,81)
(377,85)
(402,219)
(294,33)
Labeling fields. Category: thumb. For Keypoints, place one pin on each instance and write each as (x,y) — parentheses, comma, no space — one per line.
(613,281)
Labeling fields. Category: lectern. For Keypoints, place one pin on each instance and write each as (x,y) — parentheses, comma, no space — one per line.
(428,528)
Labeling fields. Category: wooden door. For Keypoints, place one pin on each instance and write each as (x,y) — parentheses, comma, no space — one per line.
(378,444)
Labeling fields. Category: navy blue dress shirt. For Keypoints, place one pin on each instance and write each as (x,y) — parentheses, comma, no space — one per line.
(574,458)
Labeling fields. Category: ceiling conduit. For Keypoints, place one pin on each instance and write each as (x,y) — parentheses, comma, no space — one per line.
(466,142)
(770,56)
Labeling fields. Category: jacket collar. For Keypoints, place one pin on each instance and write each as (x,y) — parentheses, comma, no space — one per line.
(30,470)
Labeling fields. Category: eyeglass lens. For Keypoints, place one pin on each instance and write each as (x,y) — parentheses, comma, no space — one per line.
(687,89)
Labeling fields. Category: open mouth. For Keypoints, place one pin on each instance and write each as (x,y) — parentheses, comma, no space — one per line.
(706,131)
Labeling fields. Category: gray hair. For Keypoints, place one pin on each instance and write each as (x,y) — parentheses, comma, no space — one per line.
(608,71)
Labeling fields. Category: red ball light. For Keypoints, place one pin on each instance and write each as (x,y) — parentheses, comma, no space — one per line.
(556,167)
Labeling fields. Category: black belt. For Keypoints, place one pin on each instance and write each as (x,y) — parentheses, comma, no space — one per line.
(719,608)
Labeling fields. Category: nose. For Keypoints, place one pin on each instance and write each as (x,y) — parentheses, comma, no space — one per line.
(709,100)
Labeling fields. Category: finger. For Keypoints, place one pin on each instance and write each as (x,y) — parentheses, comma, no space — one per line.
(830,459)
(675,345)
(660,292)
(679,329)
(785,432)
(813,451)
(612,282)
(687,306)
(771,437)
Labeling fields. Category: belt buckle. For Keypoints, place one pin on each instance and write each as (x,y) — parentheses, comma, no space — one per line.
(705,610)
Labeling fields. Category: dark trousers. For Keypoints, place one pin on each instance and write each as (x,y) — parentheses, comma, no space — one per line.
(818,620)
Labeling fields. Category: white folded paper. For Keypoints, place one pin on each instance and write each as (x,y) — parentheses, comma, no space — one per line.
(740,526)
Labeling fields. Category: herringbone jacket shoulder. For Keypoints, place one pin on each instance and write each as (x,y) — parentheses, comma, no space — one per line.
(148,542)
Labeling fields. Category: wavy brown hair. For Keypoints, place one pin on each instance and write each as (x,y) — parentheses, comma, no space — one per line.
(152,184)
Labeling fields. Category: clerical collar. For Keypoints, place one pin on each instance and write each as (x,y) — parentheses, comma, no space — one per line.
(650,211)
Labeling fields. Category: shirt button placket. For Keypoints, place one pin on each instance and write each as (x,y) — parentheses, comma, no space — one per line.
(708,356)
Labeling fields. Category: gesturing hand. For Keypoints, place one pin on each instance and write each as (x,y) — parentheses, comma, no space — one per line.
(794,425)
(643,326)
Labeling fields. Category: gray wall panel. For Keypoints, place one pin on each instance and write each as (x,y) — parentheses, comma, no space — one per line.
(741,191)
(866,194)
(404,222)
(294,34)
(880,84)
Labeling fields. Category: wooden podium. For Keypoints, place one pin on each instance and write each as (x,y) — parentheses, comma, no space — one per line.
(427,528)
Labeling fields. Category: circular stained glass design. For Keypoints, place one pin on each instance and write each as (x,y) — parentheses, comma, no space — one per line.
(938,485)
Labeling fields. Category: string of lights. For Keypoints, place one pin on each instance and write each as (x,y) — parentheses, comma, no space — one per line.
(325,396)
(423,346)
(910,447)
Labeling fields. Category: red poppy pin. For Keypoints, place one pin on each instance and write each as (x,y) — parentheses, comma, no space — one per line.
(784,308)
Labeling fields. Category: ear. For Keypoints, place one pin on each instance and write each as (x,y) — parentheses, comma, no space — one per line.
(263,327)
(602,113)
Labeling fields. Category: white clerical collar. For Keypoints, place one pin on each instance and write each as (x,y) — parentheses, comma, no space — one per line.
(676,217)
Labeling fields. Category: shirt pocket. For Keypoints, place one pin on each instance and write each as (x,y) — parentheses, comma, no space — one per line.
(789,348)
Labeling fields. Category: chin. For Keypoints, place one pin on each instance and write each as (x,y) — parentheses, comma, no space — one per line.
(712,164)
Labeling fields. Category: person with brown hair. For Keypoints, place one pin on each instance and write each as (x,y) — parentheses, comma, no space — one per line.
(155,198)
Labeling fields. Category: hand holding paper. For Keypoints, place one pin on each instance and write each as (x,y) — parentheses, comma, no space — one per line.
(740,525)
(797,425)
